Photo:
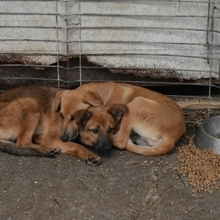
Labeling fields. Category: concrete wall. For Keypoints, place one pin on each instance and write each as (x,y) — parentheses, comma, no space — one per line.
(179,39)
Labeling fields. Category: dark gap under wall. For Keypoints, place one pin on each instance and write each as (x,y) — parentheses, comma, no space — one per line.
(21,74)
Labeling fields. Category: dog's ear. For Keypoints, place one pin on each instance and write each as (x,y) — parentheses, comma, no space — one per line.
(92,98)
(117,111)
(82,116)
(58,100)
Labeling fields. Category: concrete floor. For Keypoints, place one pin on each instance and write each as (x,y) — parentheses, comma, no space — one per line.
(124,187)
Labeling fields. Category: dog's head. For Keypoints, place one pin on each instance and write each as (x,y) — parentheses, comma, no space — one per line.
(67,102)
(96,124)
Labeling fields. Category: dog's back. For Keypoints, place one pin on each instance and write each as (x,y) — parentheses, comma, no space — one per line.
(115,93)
(44,96)
(156,118)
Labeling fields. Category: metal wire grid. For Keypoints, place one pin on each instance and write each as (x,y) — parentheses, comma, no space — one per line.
(69,17)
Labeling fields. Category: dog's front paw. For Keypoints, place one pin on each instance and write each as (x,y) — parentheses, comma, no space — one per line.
(54,151)
(94,160)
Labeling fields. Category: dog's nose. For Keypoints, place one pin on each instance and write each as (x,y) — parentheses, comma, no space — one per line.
(107,148)
(64,138)
(104,147)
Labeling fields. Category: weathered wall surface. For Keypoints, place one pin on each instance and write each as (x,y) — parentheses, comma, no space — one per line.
(32,28)
(179,39)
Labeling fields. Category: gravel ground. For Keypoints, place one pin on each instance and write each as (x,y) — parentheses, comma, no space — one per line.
(124,187)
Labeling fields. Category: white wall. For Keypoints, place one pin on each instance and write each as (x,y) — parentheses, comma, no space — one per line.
(170,36)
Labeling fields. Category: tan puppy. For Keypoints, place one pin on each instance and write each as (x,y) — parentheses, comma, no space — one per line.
(31,124)
(143,126)
(96,124)
(107,93)
(149,128)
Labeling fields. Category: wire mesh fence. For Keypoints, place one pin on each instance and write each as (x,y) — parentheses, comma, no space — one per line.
(171,45)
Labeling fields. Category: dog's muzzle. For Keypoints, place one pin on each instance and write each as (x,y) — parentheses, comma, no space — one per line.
(103,146)
(69,137)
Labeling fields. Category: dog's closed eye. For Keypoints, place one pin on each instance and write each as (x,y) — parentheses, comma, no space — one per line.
(61,115)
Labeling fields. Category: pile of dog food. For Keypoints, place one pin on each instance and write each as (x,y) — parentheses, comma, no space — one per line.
(202,168)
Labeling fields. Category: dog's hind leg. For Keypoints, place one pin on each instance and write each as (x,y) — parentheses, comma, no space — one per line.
(163,147)
(28,127)
(17,126)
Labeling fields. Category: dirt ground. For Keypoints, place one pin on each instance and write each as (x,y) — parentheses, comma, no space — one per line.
(124,187)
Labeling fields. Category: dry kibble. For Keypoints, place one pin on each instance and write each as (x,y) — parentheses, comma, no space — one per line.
(202,168)
(172,203)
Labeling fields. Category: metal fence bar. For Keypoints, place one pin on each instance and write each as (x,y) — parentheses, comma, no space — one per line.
(58,46)
(80,43)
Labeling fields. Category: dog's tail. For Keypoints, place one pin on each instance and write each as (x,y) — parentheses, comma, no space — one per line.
(12,148)
(164,147)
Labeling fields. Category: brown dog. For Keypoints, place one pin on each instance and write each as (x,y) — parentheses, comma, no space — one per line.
(149,128)
(168,129)
(107,93)
(31,124)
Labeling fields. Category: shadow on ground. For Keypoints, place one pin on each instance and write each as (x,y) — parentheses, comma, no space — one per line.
(124,187)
